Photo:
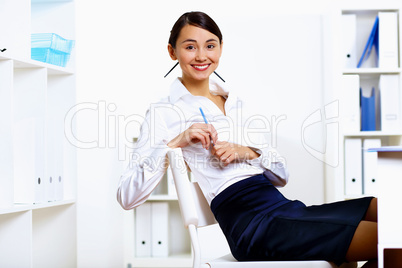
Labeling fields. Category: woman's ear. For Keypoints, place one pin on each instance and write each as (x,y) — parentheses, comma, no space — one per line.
(172,53)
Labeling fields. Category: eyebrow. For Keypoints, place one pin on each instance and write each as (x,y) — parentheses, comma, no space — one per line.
(195,41)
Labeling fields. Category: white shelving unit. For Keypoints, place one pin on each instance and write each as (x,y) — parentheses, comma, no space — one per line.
(334,65)
(179,239)
(34,98)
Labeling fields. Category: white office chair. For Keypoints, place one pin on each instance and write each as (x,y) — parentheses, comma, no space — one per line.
(210,248)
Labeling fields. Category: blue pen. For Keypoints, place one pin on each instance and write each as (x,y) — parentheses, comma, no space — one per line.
(206,122)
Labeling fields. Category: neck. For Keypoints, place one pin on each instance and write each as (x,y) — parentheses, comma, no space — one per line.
(197,87)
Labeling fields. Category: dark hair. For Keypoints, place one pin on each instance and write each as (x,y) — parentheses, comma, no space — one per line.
(195,18)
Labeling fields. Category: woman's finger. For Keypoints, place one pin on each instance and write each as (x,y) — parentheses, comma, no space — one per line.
(197,136)
(206,140)
(227,158)
(224,156)
(213,133)
(208,128)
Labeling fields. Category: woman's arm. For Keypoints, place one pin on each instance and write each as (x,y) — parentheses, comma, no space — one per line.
(149,161)
(147,165)
(273,163)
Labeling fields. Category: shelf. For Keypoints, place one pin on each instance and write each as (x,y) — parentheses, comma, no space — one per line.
(52,69)
(35,97)
(371,71)
(182,260)
(367,9)
(372,134)
(345,82)
(26,207)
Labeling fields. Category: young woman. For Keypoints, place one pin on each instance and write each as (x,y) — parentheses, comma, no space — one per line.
(237,171)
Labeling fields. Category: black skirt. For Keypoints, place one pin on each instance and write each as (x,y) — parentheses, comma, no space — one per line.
(260,224)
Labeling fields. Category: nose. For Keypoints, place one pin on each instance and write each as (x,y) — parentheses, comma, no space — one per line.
(201,55)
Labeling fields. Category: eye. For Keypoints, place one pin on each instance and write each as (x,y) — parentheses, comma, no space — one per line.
(210,46)
(190,47)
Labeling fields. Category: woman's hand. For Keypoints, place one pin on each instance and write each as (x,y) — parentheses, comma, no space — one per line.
(228,152)
(198,132)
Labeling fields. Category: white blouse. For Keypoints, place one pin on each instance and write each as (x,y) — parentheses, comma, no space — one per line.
(173,115)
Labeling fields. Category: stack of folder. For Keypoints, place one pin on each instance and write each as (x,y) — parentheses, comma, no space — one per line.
(51,48)
(361,166)
(375,101)
(379,110)
(152,229)
(383,38)
(38,174)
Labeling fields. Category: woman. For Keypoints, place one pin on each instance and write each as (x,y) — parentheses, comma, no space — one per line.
(237,172)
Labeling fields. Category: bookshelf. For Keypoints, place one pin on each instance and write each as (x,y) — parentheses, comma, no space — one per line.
(38,230)
(367,76)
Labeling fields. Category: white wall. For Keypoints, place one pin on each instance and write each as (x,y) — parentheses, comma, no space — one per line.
(272,53)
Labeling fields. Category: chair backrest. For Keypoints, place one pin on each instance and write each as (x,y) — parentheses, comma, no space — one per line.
(207,238)
(194,207)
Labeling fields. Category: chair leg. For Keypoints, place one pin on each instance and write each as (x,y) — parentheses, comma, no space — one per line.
(196,246)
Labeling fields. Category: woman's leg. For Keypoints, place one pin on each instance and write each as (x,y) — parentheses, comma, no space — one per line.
(364,242)
(371,214)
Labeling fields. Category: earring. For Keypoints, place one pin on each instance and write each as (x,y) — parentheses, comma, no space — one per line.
(171,69)
(219,77)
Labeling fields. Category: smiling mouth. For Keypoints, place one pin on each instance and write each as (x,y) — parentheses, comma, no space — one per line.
(201,67)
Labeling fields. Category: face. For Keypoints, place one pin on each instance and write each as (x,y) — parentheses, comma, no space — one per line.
(198,52)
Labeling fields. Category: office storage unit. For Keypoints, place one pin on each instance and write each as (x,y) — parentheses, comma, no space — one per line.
(38,164)
(366,91)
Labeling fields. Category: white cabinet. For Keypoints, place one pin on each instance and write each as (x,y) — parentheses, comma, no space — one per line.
(343,23)
(37,163)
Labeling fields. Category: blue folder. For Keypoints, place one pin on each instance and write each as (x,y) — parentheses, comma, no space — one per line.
(372,41)
(367,109)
